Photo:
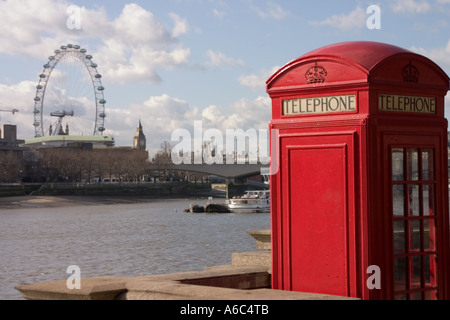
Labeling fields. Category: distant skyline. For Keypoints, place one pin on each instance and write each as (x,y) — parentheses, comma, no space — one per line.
(170,63)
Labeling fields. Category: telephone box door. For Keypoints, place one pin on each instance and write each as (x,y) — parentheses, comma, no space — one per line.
(320,195)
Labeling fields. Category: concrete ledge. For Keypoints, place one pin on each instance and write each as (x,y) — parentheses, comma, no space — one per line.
(256,258)
(219,283)
(176,291)
(263,238)
(101,288)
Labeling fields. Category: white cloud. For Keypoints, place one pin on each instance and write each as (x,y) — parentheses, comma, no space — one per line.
(243,114)
(411,6)
(132,46)
(133,55)
(181,25)
(217,59)
(257,81)
(356,19)
(161,115)
(22,24)
(272,10)
(441,55)
(19,96)
(219,14)
(136,27)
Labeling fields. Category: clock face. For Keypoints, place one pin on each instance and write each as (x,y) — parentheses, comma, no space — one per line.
(142,143)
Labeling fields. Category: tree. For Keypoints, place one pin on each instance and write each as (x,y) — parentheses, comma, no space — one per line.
(9,166)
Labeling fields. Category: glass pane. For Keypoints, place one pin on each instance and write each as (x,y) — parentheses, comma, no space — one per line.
(399,237)
(426,265)
(397,164)
(413,163)
(428,200)
(398,196)
(416,296)
(429,235)
(431,295)
(400,296)
(430,270)
(399,274)
(416,276)
(414,233)
(413,199)
(427,164)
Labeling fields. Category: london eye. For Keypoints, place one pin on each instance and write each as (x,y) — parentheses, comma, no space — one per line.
(70,89)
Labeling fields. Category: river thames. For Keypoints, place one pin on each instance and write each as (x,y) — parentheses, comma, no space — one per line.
(39,242)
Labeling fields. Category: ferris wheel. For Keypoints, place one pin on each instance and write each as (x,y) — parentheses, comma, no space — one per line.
(65,90)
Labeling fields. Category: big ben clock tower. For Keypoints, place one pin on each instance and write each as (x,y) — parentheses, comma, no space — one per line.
(139,141)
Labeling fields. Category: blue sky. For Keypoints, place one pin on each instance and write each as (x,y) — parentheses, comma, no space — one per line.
(174,62)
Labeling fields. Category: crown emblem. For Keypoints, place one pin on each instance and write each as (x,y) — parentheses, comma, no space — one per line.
(316,74)
(410,73)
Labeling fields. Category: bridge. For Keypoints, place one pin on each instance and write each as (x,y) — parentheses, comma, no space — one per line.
(231,172)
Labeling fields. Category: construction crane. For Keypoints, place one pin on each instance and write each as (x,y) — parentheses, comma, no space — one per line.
(13,111)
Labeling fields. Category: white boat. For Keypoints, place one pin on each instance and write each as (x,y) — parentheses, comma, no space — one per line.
(251,201)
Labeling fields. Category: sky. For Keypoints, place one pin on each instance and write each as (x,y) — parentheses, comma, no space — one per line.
(171,63)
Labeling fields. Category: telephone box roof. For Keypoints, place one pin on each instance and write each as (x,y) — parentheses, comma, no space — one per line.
(364,56)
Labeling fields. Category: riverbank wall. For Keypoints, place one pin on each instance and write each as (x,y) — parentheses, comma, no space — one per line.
(105,189)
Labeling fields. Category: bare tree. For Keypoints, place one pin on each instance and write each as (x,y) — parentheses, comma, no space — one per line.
(9,166)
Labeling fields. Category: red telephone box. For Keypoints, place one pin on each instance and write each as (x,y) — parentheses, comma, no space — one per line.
(360,199)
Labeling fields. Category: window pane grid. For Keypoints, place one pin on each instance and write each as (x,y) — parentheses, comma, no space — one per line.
(413,216)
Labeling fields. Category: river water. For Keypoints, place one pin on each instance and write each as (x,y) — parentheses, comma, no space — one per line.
(38,244)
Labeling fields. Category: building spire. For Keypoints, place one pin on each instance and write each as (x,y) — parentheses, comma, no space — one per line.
(139,140)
